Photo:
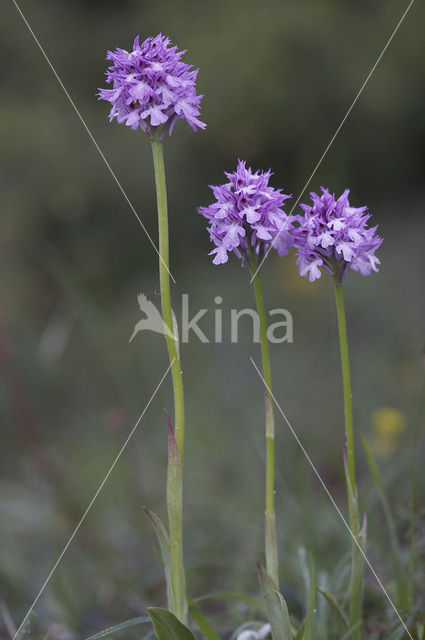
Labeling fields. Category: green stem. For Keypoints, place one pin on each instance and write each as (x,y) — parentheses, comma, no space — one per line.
(270,516)
(164,277)
(357,567)
(175,511)
(413,498)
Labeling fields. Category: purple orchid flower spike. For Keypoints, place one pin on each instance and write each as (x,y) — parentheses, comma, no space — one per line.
(334,236)
(151,87)
(247,214)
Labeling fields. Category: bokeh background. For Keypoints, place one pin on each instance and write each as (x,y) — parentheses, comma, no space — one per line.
(278,77)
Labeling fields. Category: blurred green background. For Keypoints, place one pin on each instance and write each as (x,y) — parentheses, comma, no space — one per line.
(278,77)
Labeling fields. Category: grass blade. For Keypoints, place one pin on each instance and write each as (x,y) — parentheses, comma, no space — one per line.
(133,622)
(174,507)
(402,591)
(311,605)
(277,611)
(202,621)
(339,614)
(161,534)
(351,631)
(300,634)
(309,577)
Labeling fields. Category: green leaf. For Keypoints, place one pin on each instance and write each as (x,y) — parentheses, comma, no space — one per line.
(322,609)
(202,621)
(119,627)
(174,505)
(339,614)
(309,577)
(167,626)
(351,631)
(302,557)
(277,611)
(402,591)
(311,605)
(300,634)
(161,534)
(255,604)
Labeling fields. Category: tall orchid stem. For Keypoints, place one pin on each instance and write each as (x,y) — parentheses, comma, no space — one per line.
(175,511)
(357,566)
(270,516)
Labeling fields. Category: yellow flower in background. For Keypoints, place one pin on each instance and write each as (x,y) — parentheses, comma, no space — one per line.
(388,426)
(388,421)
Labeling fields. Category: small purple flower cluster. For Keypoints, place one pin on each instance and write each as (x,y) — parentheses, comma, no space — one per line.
(247,215)
(152,87)
(333,235)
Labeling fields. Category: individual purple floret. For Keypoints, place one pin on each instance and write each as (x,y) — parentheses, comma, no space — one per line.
(247,213)
(335,236)
(152,87)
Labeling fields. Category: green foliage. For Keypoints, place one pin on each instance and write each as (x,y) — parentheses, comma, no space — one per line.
(202,621)
(167,626)
(309,574)
(133,622)
(339,615)
(171,545)
(402,591)
(177,603)
(352,631)
(162,536)
(277,611)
